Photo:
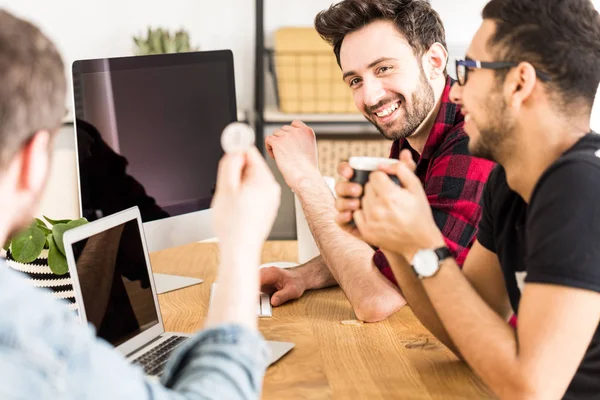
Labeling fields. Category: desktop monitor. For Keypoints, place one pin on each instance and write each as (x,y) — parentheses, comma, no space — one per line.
(148,134)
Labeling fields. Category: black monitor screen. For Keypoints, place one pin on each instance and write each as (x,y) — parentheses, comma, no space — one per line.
(114,281)
(148,131)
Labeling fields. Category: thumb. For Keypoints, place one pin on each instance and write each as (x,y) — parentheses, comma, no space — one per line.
(256,169)
(284,295)
(408,179)
(407,158)
(230,172)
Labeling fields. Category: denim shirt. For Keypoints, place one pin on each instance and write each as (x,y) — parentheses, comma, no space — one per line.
(47,353)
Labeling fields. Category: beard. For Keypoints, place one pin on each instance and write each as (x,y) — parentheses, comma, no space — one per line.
(494,134)
(423,101)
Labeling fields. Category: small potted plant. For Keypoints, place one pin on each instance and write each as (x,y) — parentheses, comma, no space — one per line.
(161,41)
(39,252)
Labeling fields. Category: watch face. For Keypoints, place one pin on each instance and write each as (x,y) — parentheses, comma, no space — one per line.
(426,263)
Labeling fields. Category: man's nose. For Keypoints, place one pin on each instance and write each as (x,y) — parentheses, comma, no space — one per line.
(456,93)
(374,92)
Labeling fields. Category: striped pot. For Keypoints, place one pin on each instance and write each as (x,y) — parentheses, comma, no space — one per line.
(38,274)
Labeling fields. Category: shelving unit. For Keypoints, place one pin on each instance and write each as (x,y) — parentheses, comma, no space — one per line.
(267,119)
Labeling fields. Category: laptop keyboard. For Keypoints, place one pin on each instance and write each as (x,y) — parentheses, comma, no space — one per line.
(154,361)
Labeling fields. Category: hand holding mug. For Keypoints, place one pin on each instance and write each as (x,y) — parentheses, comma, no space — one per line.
(350,192)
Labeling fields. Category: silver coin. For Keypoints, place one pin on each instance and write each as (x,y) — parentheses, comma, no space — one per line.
(237,137)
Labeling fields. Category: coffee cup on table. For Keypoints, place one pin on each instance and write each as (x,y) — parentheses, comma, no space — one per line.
(363,166)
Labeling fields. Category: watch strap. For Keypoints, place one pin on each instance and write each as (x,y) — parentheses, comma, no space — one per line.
(442,253)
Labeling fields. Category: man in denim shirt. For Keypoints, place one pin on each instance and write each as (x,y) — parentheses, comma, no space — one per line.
(45,353)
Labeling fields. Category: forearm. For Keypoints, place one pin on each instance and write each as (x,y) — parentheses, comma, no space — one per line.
(234,300)
(483,338)
(416,297)
(348,258)
(315,274)
(226,362)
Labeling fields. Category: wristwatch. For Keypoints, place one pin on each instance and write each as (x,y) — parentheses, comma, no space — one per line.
(427,262)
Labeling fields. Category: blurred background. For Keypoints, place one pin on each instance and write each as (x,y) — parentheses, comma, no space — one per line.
(85,29)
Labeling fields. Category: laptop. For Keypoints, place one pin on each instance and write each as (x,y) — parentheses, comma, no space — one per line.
(115,289)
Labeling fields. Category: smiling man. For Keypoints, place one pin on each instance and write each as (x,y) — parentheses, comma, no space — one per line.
(393,57)
(526,90)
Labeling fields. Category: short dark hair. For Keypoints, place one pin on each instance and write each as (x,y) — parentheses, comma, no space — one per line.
(559,37)
(420,24)
(32,86)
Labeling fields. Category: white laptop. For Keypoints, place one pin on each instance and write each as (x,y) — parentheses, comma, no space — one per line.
(114,287)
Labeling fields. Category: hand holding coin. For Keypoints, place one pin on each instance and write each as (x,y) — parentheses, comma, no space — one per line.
(237,137)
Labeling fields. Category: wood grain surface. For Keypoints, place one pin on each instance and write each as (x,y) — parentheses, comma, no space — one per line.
(393,359)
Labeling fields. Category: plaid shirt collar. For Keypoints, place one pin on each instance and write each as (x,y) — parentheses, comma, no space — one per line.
(447,118)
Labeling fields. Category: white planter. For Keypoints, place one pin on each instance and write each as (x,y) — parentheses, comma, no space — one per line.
(38,274)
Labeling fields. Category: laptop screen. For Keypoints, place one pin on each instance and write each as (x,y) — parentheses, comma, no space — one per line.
(114,281)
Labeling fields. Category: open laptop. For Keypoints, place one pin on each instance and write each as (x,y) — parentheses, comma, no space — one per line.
(114,287)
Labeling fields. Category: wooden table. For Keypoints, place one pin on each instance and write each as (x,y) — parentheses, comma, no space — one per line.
(394,359)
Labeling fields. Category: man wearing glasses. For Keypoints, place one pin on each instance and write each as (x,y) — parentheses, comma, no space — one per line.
(395,68)
(526,91)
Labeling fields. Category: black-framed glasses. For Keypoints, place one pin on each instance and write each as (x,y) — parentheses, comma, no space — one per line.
(462,69)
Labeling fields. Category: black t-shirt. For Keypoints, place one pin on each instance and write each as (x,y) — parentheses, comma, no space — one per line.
(555,239)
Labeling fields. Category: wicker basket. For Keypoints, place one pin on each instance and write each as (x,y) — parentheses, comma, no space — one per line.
(332,151)
(307,77)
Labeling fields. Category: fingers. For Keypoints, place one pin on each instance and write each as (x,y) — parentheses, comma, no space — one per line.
(369,200)
(277,281)
(381,184)
(269,146)
(287,293)
(348,189)
(359,220)
(343,218)
(230,172)
(408,179)
(345,171)
(256,167)
(299,124)
(407,158)
(347,204)
(268,279)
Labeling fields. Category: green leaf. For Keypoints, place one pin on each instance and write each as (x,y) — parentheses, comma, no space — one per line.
(155,41)
(27,245)
(77,222)
(56,221)
(6,245)
(44,229)
(56,261)
(41,223)
(59,230)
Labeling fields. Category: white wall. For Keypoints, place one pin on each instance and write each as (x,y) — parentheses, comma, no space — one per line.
(93,29)
(90,29)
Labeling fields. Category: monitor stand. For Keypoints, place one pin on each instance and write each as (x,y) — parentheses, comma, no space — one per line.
(166,283)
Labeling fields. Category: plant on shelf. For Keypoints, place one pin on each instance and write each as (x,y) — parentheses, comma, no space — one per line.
(160,41)
(27,246)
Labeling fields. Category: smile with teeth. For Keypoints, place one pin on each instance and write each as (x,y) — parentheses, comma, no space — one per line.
(387,111)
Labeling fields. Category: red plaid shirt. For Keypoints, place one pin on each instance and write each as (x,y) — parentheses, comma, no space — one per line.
(453,181)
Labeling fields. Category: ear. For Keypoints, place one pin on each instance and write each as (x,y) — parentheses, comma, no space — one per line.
(34,159)
(520,84)
(434,61)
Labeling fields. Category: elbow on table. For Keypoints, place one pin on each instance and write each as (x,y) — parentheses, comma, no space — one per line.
(375,309)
